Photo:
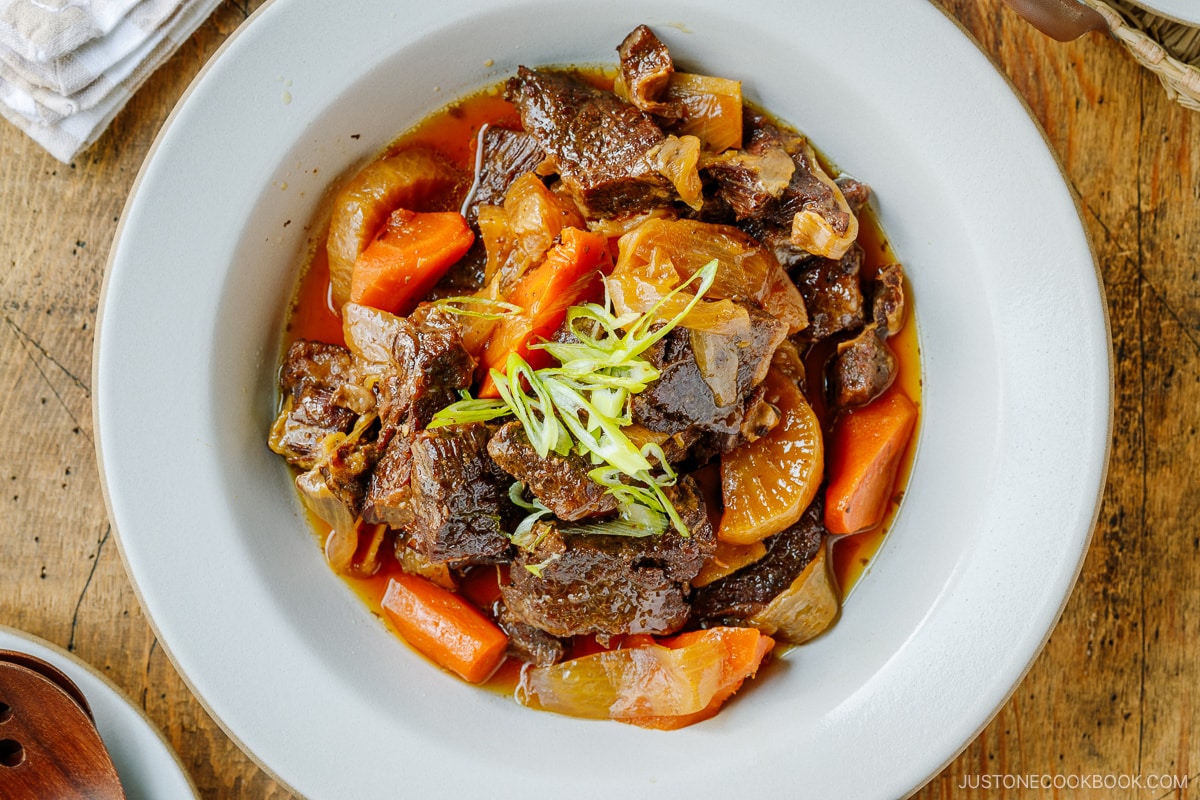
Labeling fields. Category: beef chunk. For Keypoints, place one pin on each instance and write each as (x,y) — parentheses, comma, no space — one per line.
(466,276)
(346,469)
(832,294)
(736,598)
(646,70)
(855,191)
(313,378)
(459,497)
(761,417)
(748,182)
(861,369)
(807,192)
(864,367)
(681,400)
(530,644)
(435,364)
(561,483)
(887,300)
(597,142)
(773,224)
(388,494)
(591,583)
(503,156)
(750,179)
(334,488)
(755,351)
(419,360)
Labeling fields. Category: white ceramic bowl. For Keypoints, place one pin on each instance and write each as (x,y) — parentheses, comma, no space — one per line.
(1004,490)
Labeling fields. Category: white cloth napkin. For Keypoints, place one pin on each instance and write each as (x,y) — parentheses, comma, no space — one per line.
(43,30)
(68,66)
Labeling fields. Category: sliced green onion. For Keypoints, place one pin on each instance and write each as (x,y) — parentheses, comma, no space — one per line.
(469,410)
(620,527)
(523,535)
(461,305)
(536,569)
(537,413)
(608,441)
(516,493)
(583,404)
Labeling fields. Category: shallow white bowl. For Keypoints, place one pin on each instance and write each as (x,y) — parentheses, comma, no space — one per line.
(1005,485)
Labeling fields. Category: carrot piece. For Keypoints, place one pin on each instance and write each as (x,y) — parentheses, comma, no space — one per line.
(445,627)
(868,444)
(407,257)
(745,649)
(565,277)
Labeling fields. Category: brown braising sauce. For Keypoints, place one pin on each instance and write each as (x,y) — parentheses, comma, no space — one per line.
(453,132)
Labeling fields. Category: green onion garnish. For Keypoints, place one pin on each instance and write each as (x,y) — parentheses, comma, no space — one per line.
(582,405)
(461,305)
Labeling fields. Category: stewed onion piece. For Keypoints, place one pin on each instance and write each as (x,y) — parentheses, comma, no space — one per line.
(676,158)
(661,253)
(712,109)
(820,231)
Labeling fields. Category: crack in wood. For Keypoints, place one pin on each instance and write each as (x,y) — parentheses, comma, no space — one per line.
(26,343)
(29,340)
(86,585)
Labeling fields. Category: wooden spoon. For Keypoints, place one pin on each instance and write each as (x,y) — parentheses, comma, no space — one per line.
(1063,20)
(49,746)
(53,673)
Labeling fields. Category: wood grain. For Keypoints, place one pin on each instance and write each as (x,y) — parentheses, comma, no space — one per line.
(1111,694)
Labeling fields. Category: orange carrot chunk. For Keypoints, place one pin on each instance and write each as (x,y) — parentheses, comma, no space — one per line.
(407,257)
(445,627)
(567,276)
(868,444)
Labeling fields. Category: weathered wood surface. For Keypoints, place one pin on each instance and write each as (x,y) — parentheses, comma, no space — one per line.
(1111,695)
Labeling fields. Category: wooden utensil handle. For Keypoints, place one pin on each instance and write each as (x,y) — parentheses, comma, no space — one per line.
(53,673)
(49,748)
(1063,20)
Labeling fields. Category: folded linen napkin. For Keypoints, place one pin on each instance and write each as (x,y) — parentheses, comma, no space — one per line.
(43,30)
(71,70)
(66,102)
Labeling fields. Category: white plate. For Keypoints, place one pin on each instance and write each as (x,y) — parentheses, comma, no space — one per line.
(1004,490)
(146,764)
(1179,10)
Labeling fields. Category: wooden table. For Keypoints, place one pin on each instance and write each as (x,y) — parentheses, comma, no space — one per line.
(1113,693)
